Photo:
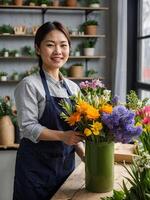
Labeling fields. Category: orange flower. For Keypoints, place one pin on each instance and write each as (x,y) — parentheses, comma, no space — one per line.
(92,113)
(82,106)
(85,108)
(107,108)
(75,117)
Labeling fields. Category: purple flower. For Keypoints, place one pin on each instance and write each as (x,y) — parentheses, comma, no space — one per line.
(121,124)
(115,100)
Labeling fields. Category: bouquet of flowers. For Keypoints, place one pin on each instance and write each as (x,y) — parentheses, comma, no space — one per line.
(99,116)
(142,118)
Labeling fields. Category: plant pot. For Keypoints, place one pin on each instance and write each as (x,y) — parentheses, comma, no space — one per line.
(94,5)
(55,3)
(6,54)
(90,30)
(3,78)
(99,166)
(18,2)
(16,77)
(43,5)
(76,71)
(7,131)
(71,3)
(32,4)
(88,51)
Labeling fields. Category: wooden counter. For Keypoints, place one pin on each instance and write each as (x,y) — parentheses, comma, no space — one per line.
(74,186)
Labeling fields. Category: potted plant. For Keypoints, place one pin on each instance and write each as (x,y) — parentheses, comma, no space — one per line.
(88,47)
(77,51)
(14,53)
(76,70)
(27,51)
(32,2)
(18,2)
(3,76)
(5,52)
(6,29)
(15,76)
(43,3)
(7,133)
(94,3)
(71,3)
(90,27)
(91,73)
(5,2)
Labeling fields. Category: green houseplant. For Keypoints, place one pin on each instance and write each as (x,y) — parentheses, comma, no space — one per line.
(93,3)
(90,27)
(43,3)
(6,2)
(32,2)
(15,76)
(5,52)
(3,76)
(14,53)
(88,47)
(27,51)
(6,29)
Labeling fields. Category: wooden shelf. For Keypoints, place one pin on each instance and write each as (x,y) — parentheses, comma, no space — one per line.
(87,57)
(54,8)
(72,36)
(35,58)
(11,146)
(71,78)
(19,58)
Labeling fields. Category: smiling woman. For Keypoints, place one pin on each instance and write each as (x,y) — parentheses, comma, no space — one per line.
(46,155)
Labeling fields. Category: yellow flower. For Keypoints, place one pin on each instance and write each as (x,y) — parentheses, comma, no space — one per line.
(75,117)
(96,128)
(148,128)
(138,124)
(87,132)
(107,108)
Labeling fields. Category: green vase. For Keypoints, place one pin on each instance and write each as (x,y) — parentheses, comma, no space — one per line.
(99,166)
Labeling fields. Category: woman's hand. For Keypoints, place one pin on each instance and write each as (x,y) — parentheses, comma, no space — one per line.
(71,137)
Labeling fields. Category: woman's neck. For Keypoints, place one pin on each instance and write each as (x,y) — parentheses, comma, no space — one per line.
(53,73)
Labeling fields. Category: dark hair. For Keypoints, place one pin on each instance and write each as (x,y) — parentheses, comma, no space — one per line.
(44,30)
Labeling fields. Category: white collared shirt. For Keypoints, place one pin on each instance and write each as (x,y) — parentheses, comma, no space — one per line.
(30,102)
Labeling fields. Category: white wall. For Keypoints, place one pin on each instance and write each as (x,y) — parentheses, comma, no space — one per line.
(71,19)
(7,166)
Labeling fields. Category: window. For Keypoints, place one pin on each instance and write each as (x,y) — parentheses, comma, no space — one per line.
(139,43)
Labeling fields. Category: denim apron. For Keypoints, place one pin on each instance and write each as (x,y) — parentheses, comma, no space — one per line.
(42,167)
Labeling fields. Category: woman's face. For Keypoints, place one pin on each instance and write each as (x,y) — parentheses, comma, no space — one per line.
(54,50)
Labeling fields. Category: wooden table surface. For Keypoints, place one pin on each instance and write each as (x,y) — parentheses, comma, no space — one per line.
(74,186)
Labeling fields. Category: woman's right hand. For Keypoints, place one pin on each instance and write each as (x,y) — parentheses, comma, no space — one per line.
(72,137)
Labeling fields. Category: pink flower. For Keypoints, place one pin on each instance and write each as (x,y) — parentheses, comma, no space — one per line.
(144,113)
(96,83)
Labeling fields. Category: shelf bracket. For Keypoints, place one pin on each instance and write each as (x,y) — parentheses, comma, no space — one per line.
(43,15)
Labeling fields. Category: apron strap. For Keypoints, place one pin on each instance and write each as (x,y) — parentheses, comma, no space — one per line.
(48,97)
(45,84)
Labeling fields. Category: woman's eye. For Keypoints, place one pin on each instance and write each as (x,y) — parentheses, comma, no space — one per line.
(64,45)
(50,45)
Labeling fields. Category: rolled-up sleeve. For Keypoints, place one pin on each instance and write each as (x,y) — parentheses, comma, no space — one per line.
(27,111)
